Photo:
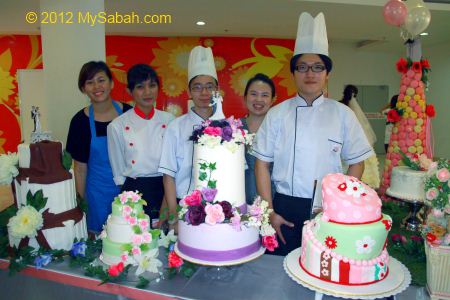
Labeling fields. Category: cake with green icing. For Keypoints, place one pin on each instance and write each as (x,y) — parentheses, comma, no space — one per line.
(346,243)
(127,236)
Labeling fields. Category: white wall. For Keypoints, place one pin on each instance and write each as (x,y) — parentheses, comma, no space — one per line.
(439,95)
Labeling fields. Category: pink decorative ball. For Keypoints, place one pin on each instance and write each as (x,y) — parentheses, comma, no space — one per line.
(422,136)
(418,76)
(414,83)
(411,122)
(403,88)
(406,81)
(402,143)
(410,74)
(412,103)
(409,128)
(404,149)
(401,136)
(412,135)
(417,109)
(419,91)
(394,162)
(409,142)
(401,96)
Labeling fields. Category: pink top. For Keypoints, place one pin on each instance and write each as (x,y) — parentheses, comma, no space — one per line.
(347,200)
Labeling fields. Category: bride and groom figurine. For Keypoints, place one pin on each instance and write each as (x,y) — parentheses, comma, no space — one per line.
(38,135)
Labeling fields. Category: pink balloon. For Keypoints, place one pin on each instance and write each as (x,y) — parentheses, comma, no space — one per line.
(421,83)
(411,122)
(406,81)
(401,136)
(412,103)
(414,83)
(410,73)
(418,76)
(403,88)
(420,114)
(402,142)
(395,12)
(404,149)
(419,90)
(395,162)
(401,96)
(417,109)
(409,142)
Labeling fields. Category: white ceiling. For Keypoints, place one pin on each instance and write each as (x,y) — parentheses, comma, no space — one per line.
(348,21)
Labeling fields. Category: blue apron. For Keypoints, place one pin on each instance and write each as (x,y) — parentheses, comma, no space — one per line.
(100,186)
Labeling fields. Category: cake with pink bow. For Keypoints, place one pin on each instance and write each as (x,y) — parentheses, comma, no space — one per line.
(346,243)
(215,225)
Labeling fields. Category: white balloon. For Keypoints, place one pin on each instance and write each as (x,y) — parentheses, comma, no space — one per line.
(417,20)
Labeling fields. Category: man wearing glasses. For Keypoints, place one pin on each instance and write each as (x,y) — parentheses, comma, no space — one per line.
(305,137)
(177,151)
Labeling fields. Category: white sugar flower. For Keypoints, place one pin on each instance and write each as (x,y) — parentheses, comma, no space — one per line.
(267,230)
(231,146)
(365,245)
(8,167)
(25,223)
(209,140)
(148,262)
(165,240)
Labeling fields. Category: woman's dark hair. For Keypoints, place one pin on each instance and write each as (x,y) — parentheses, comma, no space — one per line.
(393,102)
(260,77)
(140,73)
(349,91)
(325,59)
(88,71)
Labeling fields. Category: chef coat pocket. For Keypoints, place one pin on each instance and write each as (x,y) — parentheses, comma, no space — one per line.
(335,151)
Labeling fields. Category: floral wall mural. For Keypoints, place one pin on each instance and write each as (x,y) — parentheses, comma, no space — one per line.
(237,59)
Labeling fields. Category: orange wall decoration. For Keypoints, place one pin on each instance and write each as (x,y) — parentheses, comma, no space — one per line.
(237,59)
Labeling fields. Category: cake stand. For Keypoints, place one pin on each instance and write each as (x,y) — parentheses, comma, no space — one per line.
(397,280)
(411,222)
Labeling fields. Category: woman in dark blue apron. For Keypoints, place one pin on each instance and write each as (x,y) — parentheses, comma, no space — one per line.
(87,143)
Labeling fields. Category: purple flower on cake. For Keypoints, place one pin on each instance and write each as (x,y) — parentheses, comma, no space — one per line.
(136,251)
(196,215)
(227,133)
(365,245)
(42,260)
(78,249)
(214,131)
(193,199)
(431,194)
(126,210)
(136,239)
(144,224)
(443,175)
(209,194)
(236,221)
(146,237)
(227,209)
(214,214)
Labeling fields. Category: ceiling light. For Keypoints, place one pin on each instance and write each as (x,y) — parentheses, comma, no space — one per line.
(200,23)
(424,33)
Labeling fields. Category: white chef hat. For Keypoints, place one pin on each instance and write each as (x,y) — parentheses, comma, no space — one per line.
(201,62)
(311,35)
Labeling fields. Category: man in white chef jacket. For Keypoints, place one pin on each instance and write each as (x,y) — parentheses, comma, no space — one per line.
(177,151)
(305,137)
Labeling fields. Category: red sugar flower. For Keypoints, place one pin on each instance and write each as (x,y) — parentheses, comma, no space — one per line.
(425,64)
(429,110)
(402,65)
(174,260)
(342,186)
(115,270)
(387,224)
(417,67)
(330,242)
(431,237)
(393,116)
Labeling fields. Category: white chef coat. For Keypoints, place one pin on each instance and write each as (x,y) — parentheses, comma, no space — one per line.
(177,152)
(307,142)
(135,143)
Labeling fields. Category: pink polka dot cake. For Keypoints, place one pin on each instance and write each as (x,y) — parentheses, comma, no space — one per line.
(346,243)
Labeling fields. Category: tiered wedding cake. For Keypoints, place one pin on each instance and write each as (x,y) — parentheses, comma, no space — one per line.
(215,225)
(346,244)
(43,181)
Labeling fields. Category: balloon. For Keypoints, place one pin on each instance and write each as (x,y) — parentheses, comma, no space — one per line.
(417,19)
(395,12)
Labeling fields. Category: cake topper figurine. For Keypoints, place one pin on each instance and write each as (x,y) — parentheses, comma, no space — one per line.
(35,114)
(216,103)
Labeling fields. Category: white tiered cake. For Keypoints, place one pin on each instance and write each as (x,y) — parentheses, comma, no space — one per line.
(407,184)
(40,168)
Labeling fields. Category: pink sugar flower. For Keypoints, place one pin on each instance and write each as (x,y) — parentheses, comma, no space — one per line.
(431,194)
(146,237)
(193,199)
(214,214)
(132,221)
(270,242)
(136,251)
(137,239)
(214,131)
(144,224)
(124,257)
(123,198)
(443,175)
(236,221)
(126,210)
(135,197)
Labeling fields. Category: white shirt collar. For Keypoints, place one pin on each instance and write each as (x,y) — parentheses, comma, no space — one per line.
(302,102)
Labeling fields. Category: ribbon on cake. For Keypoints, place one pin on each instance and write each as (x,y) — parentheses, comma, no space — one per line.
(52,220)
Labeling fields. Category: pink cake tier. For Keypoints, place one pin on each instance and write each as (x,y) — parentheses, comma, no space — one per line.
(216,243)
(349,201)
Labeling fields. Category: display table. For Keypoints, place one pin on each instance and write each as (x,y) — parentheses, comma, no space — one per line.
(263,278)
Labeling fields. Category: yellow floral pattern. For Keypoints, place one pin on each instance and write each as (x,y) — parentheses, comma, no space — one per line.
(6,80)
